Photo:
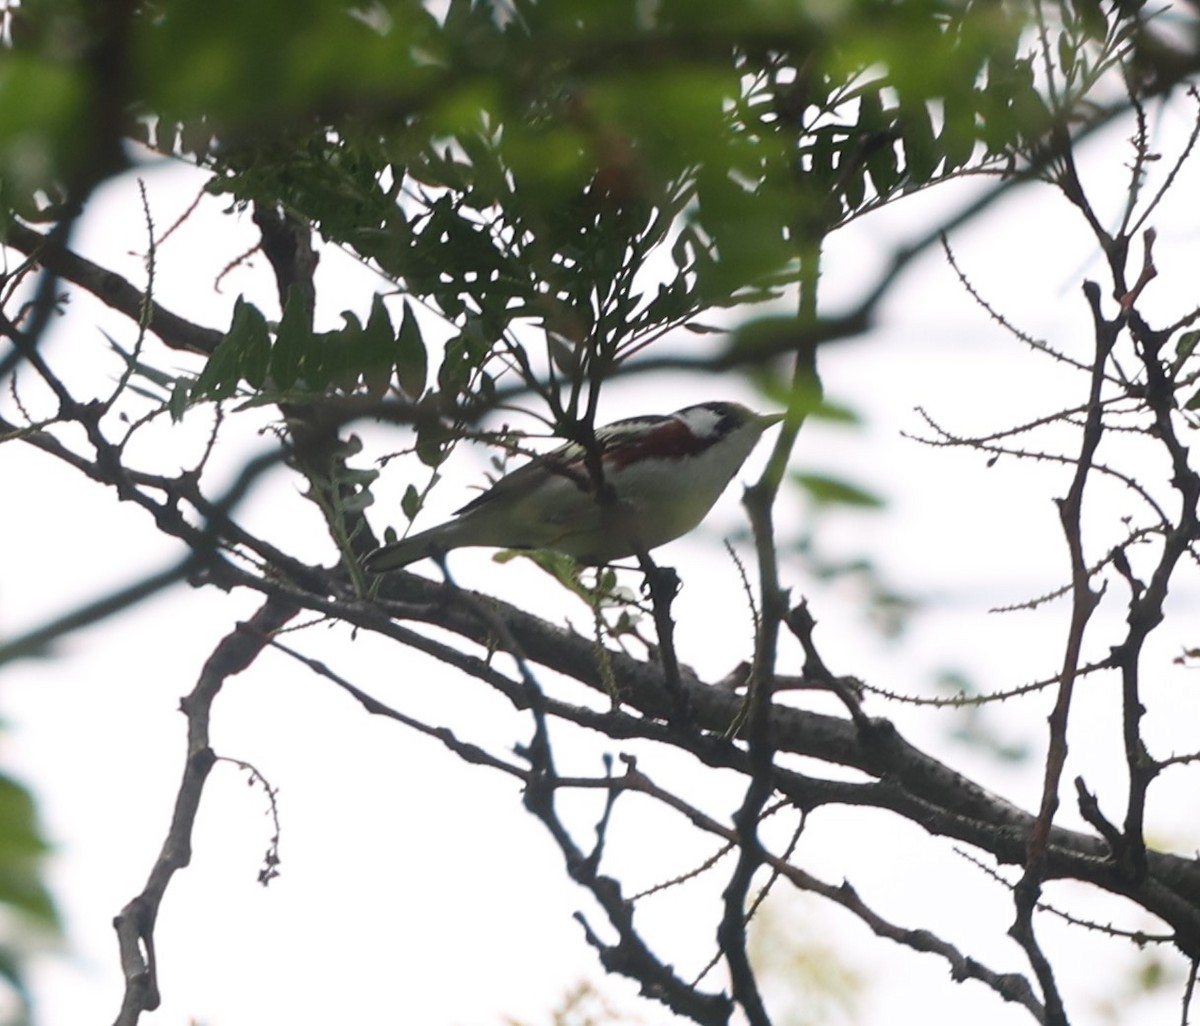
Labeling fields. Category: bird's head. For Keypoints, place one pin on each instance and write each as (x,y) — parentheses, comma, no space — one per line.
(718,433)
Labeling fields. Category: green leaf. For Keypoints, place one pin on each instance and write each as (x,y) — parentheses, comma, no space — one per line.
(375,349)
(333,360)
(378,331)
(921,155)
(465,354)
(836,413)
(1091,16)
(180,398)
(1185,345)
(883,166)
(219,377)
(411,504)
(825,490)
(561,567)
(21,852)
(957,140)
(434,442)
(877,130)
(292,341)
(241,349)
(854,188)
(412,360)
(43,110)
(1067,53)
(357,501)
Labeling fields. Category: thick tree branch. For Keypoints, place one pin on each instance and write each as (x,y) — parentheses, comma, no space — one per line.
(111,289)
(910,782)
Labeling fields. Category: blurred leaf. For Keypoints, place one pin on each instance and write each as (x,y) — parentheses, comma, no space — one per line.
(765,338)
(825,490)
(1091,16)
(958,135)
(975,727)
(835,413)
(21,851)
(42,124)
(140,367)
(921,153)
(29,911)
(878,128)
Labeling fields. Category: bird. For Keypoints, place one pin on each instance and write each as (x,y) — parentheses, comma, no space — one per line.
(661,475)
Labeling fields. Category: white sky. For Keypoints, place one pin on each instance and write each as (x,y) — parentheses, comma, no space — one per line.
(414,889)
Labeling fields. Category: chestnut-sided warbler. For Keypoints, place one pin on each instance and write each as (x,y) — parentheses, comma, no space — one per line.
(665,473)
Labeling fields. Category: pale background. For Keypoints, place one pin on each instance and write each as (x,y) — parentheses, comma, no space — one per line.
(415,889)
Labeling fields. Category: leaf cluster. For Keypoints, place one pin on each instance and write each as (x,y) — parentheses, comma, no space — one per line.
(565,184)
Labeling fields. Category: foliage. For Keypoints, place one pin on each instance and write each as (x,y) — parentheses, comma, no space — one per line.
(23,893)
(506,190)
(556,195)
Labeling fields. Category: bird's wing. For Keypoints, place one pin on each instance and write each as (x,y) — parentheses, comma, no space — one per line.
(616,447)
(526,478)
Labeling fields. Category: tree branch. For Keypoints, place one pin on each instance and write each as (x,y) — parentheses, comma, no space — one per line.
(111,289)
(136,921)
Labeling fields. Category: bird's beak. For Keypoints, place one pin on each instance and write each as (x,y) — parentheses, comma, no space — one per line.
(769,419)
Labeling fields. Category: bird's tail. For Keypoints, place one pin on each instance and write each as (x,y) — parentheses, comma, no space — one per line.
(407,550)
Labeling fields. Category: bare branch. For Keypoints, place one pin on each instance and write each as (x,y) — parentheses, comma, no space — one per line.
(136,921)
(111,289)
